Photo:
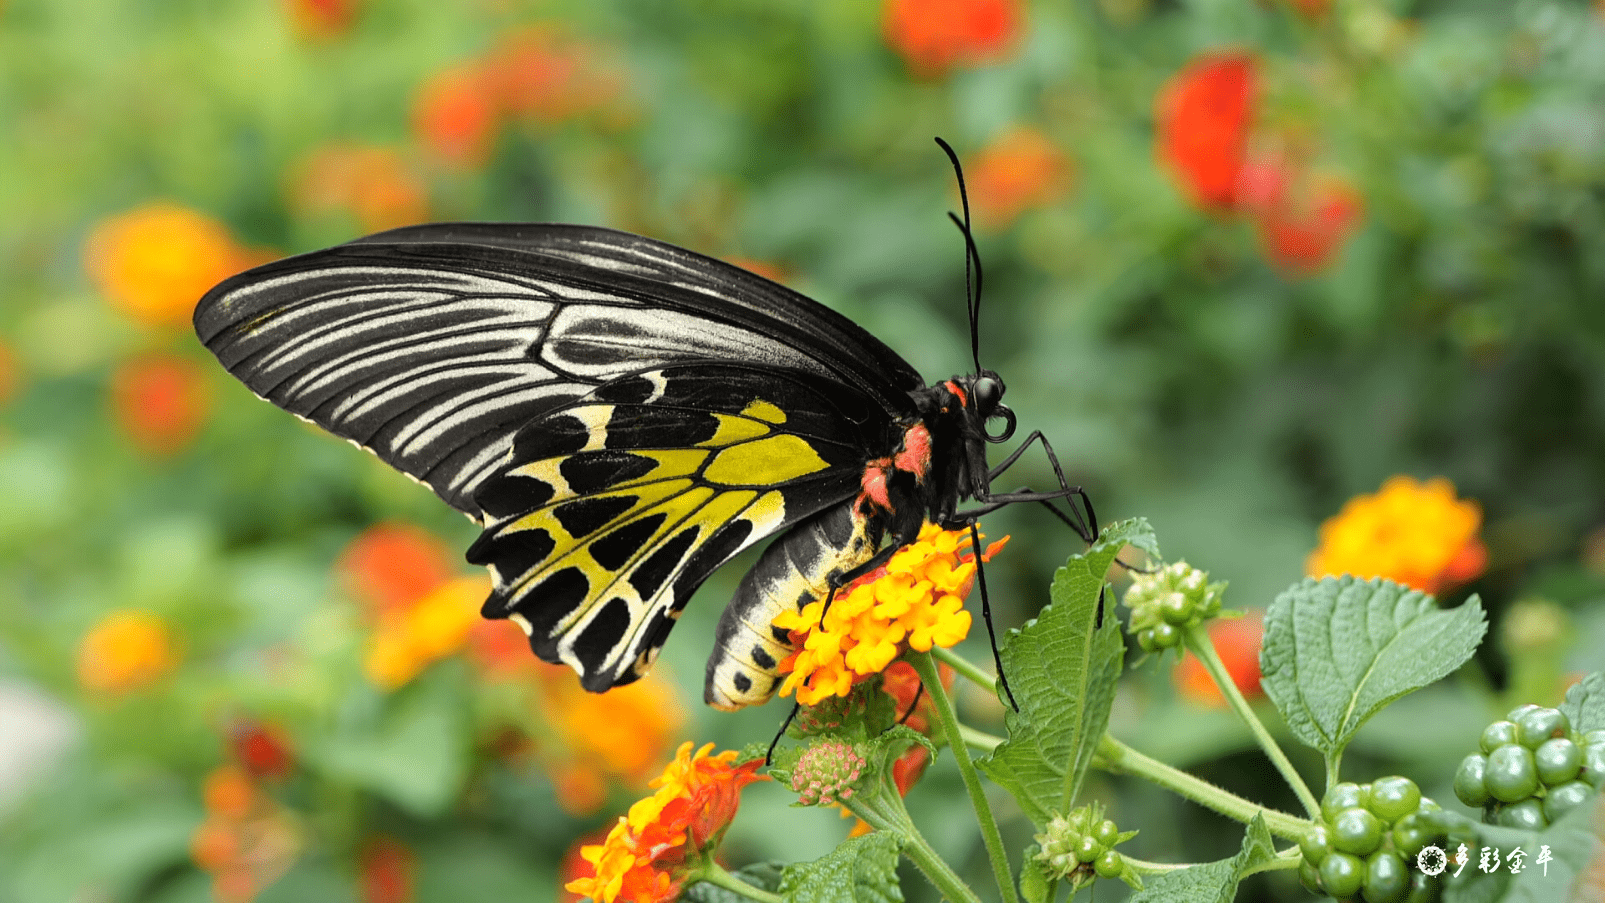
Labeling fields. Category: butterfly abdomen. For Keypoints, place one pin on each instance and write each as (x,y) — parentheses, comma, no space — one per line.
(795,570)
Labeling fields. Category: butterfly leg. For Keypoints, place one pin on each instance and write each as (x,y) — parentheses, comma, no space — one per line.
(986,614)
(1086,524)
(770,755)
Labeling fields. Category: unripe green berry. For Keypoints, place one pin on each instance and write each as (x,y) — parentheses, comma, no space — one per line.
(1088,848)
(1518,711)
(1345,795)
(1511,774)
(1356,831)
(1527,815)
(1469,786)
(1423,888)
(1594,765)
(1386,878)
(1500,733)
(1166,636)
(1310,877)
(1564,798)
(1108,865)
(1394,797)
(1540,725)
(1558,761)
(1342,874)
(1107,833)
(1316,844)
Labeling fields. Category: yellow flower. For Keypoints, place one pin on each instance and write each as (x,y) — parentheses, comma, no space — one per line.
(1414,533)
(127,650)
(154,262)
(409,640)
(915,602)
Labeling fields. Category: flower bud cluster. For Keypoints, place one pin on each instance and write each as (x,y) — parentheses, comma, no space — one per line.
(1167,600)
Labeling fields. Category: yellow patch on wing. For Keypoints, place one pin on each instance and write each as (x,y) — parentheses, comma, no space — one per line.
(764,410)
(765,462)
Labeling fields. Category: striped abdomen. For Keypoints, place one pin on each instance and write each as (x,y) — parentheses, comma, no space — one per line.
(795,570)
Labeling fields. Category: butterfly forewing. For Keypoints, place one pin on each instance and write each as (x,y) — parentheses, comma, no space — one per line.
(613,509)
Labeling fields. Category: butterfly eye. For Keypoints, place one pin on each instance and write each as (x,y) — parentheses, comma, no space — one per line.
(1001,412)
(988,392)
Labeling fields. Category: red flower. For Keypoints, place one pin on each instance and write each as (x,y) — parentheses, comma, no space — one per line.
(1314,9)
(160,401)
(932,36)
(8,373)
(376,185)
(1237,642)
(1020,170)
(387,867)
(455,114)
(1204,115)
(261,748)
(537,74)
(389,566)
(1306,220)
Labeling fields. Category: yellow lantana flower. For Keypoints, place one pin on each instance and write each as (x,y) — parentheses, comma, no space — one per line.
(915,602)
(1418,534)
(436,626)
(127,650)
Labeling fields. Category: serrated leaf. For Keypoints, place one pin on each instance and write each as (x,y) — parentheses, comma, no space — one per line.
(1063,671)
(763,875)
(1211,882)
(1585,703)
(861,870)
(1339,649)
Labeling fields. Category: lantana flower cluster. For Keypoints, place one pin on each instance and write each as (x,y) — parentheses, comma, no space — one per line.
(649,854)
(915,602)
(1411,532)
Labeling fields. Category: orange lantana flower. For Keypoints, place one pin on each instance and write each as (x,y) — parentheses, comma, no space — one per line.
(1020,170)
(406,642)
(651,852)
(375,185)
(605,737)
(934,35)
(127,650)
(160,401)
(1204,116)
(154,262)
(1237,641)
(1414,533)
(389,566)
(915,602)
(247,840)
(455,113)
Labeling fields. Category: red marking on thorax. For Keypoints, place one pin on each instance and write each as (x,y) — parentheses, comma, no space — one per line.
(874,483)
(916,454)
(954,387)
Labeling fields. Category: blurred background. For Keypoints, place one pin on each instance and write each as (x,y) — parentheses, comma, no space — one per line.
(1246,262)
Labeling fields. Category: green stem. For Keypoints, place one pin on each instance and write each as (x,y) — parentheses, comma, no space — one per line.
(1144,867)
(926,666)
(970,670)
(1199,643)
(712,873)
(1285,859)
(884,811)
(981,740)
(1118,758)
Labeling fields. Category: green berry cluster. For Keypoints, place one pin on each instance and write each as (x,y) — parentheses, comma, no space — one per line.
(1082,844)
(1533,768)
(1168,599)
(1367,843)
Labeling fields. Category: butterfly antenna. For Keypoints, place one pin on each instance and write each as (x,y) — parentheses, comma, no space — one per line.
(972,259)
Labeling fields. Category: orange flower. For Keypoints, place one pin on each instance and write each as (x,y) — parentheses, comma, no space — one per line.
(605,737)
(389,566)
(1020,170)
(160,400)
(767,270)
(1315,9)
(538,75)
(932,36)
(374,184)
(387,868)
(319,19)
(1204,115)
(247,840)
(154,262)
(406,642)
(575,866)
(1304,232)
(125,651)
(455,114)
(650,852)
(915,602)
(1414,533)
(1237,642)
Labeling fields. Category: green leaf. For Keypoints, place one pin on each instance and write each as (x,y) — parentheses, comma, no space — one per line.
(1339,649)
(1585,703)
(1574,843)
(763,875)
(861,870)
(1063,671)
(1211,882)
(415,755)
(1034,881)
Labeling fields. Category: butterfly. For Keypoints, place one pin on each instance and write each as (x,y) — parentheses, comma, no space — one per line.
(621,417)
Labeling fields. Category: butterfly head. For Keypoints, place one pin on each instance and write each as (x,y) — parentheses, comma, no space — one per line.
(986,394)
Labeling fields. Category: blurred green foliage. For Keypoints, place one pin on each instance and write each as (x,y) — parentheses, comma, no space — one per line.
(1181,372)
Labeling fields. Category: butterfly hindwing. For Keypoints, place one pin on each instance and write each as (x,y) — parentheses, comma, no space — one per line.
(612,509)
(432,346)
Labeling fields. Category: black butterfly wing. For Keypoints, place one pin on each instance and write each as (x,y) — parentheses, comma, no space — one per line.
(433,345)
(613,509)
